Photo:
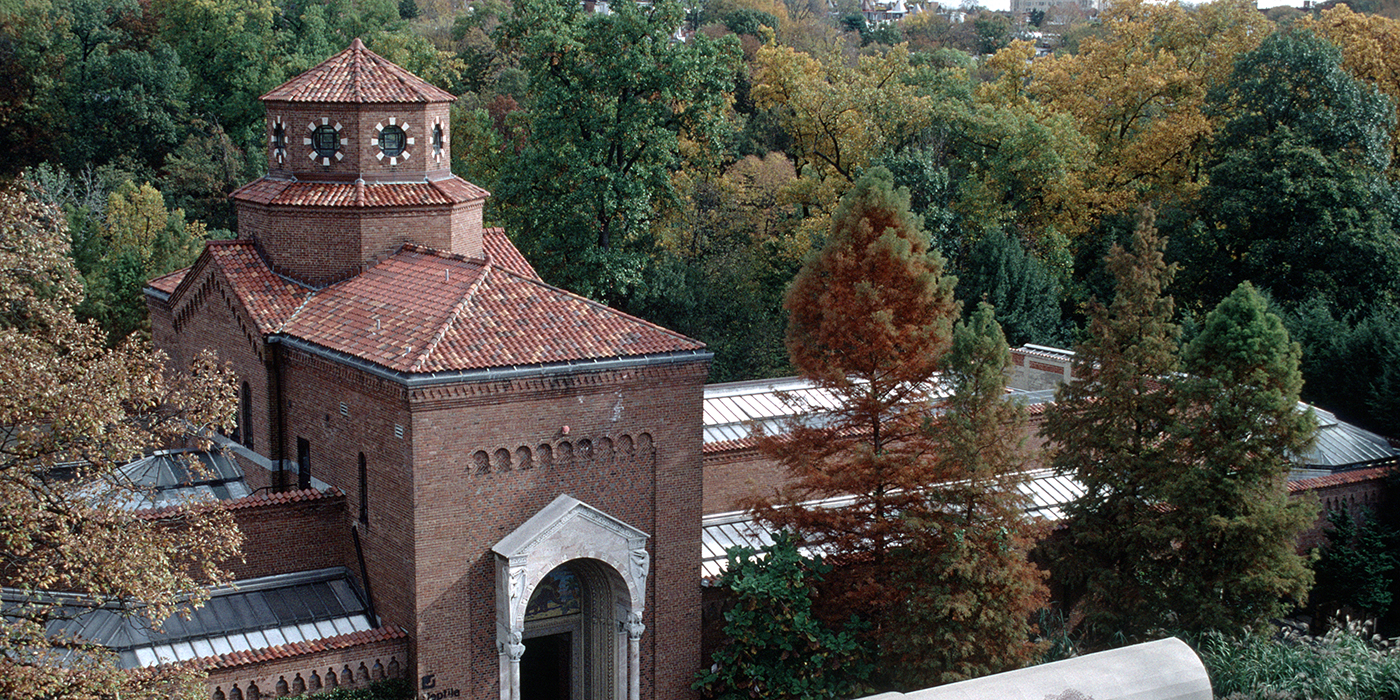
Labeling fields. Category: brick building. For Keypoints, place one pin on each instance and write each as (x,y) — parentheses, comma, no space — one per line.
(505,474)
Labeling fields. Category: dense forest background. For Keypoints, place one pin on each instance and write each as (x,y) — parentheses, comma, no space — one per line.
(685,182)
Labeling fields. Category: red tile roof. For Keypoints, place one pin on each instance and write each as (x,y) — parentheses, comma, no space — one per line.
(1339,479)
(269,298)
(504,253)
(422,311)
(294,649)
(357,75)
(168,283)
(267,190)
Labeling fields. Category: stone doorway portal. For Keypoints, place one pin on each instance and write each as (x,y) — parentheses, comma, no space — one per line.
(570,586)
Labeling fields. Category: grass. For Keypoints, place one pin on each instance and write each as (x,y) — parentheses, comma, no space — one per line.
(1342,665)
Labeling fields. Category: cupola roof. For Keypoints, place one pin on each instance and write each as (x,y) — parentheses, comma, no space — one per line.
(357,76)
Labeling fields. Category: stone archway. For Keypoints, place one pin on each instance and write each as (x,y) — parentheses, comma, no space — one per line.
(611,561)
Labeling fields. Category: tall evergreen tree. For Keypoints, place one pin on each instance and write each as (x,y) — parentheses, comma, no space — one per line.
(1230,519)
(1025,294)
(968,590)
(1107,430)
(871,319)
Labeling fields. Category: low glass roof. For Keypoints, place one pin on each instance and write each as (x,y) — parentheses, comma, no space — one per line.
(245,616)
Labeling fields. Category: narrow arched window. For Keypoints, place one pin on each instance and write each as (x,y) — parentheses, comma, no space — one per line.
(364,491)
(245,416)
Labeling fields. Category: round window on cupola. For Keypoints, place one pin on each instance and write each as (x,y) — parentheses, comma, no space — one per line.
(325,141)
(392,140)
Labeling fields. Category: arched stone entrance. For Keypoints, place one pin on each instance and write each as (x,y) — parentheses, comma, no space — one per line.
(591,645)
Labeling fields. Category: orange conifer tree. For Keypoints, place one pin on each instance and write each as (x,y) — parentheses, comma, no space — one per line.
(871,320)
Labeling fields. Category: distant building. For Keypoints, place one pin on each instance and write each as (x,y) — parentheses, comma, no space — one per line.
(1021,7)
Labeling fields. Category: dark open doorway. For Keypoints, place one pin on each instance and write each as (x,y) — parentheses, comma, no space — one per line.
(545,668)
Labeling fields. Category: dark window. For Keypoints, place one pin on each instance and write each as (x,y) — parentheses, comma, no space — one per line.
(437,138)
(364,491)
(303,463)
(391,140)
(245,416)
(326,140)
(279,137)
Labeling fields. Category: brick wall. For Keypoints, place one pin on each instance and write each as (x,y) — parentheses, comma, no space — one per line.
(323,245)
(735,475)
(209,316)
(316,388)
(1356,491)
(360,148)
(288,532)
(1036,371)
(464,508)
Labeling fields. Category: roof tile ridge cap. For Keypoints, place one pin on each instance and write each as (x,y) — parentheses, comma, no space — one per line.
(604,307)
(305,300)
(1338,478)
(357,51)
(279,651)
(201,263)
(438,186)
(451,319)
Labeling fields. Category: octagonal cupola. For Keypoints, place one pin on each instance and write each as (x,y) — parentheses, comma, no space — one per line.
(358,114)
(359,163)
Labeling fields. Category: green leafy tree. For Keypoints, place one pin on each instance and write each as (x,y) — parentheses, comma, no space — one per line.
(871,318)
(1368,345)
(968,591)
(776,646)
(139,239)
(612,98)
(1232,525)
(1298,200)
(1107,430)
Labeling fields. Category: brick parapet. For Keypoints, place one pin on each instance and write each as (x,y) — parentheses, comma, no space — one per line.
(356,659)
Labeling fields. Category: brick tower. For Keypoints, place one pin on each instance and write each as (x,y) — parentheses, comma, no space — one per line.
(520,466)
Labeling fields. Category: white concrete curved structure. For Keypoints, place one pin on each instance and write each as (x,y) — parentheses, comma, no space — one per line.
(1166,669)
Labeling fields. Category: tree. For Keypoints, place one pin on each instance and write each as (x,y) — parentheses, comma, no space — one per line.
(1356,567)
(71,412)
(840,118)
(968,590)
(775,645)
(1298,200)
(1137,91)
(1026,296)
(1025,162)
(1232,525)
(1107,429)
(612,96)
(1370,47)
(140,239)
(871,318)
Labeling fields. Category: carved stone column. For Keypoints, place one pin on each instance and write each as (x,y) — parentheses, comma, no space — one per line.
(634,629)
(512,650)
